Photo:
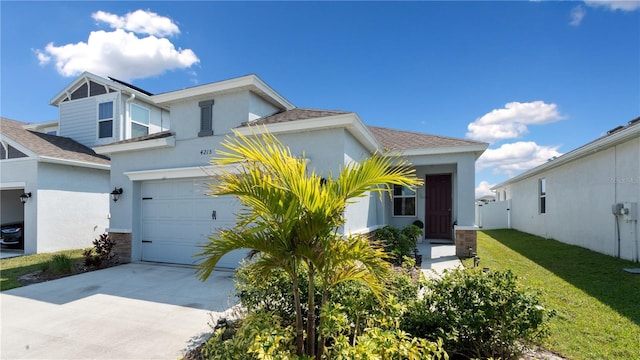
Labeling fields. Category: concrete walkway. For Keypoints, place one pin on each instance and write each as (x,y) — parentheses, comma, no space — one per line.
(133,311)
(437,256)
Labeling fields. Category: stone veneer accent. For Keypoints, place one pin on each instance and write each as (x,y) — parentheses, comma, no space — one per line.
(466,239)
(122,247)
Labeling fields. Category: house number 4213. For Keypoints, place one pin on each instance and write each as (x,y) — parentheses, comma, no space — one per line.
(206,152)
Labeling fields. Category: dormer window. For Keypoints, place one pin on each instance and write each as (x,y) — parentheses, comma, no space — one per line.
(139,121)
(206,118)
(105,120)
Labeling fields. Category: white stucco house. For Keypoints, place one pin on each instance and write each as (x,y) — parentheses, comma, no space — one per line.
(156,151)
(164,214)
(64,186)
(586,197)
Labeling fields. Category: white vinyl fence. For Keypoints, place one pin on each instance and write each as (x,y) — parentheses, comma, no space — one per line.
(494,215)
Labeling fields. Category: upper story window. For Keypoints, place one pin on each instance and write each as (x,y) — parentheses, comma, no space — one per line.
(206,118)
(404,201)
(105,120)
(139,121)
(542,188)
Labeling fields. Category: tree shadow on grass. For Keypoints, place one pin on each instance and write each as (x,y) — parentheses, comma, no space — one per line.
(600,276)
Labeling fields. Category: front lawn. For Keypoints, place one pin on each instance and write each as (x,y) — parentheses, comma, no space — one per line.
(12,269)
(598,304)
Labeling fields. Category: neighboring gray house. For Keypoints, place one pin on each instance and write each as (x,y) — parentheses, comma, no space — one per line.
(65,186)
(163,213)
(587,197)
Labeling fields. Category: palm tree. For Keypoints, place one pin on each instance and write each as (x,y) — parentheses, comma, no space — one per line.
(291,217)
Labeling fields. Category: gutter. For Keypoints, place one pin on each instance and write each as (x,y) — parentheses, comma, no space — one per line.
(79,163)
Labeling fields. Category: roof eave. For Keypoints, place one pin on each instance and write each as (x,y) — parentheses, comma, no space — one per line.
(79,163)
(251,82)
(477,149)
(164,142)
(41,125)
(586,150)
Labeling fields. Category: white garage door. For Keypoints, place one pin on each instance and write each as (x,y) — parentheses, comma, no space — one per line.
(177,217)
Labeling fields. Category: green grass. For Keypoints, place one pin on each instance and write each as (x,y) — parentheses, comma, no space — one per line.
(598,304)
(13,268)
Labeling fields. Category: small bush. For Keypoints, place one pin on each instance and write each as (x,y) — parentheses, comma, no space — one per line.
(100,255)
(261,336)
(60,264)
(398,243)
(479,315)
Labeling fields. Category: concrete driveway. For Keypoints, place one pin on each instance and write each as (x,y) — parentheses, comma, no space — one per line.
(133,311)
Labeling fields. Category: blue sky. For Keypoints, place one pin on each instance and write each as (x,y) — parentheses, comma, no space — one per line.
(535,79)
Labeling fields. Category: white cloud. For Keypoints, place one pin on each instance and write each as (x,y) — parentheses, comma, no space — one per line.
(511,159)
(623,5)
(484,188)
(139,21)
(512,120)
(577,14)
(120,53)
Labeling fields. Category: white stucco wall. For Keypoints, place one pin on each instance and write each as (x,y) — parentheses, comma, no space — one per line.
(325,150)
(259,108)
(72,206)
(579,198)
(230,110)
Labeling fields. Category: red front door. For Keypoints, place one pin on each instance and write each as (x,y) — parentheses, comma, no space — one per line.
(438,207)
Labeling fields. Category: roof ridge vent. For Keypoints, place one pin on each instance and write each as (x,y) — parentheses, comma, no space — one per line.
(615,129)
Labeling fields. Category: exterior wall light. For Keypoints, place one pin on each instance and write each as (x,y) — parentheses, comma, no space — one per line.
(24,197)
(115,194)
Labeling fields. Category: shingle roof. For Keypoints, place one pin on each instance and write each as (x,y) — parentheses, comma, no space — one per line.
(296,114)
(387,138)
(53,146)
(404,140)
(158,135)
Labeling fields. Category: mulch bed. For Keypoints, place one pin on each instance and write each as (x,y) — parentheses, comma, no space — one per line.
(47,275)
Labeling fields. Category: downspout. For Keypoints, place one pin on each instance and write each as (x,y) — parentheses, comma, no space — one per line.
(126,109)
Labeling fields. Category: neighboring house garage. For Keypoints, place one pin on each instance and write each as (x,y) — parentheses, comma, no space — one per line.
(65,186)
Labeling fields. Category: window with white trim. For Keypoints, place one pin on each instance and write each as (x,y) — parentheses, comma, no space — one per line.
(404,201)
(139,121)
(542,189)
(105,120)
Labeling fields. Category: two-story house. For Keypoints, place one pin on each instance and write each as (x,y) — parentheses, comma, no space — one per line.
(160,146)
(164,213)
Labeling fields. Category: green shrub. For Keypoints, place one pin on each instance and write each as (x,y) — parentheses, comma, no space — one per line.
(351,302)
(261,336)
(101,253)
(272,295)
(479,315)
(398,243)
(60,264)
